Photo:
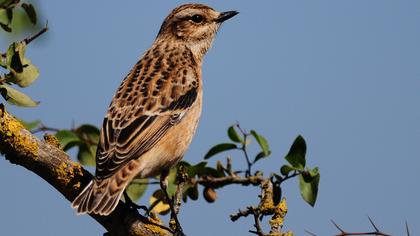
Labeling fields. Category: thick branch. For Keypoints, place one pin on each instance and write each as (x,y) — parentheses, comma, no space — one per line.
(45,159)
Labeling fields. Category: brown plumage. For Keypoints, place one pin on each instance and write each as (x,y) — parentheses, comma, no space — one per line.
(154,114)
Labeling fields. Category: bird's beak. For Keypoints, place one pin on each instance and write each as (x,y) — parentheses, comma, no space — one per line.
(226,15)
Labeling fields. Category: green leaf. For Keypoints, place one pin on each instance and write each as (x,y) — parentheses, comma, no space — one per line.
(262,142)
(16,97)
(286,169)
(30,125)
(137,188)
(4,17)
(16,63)
(220,148)
(261,155)
(30,11)
(172,182)
(86,154)
(8,3)
(27,76)
(67,139)
(88,133)
(14,56)
(309,175)
(192,171)
(9,13)
(209,171)
(297,152)
(233,135)
(309,191)
(314,172)
(276,194)
(5,27)
(193,193)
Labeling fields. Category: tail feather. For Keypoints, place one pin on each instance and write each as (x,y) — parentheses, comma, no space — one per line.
(97,198)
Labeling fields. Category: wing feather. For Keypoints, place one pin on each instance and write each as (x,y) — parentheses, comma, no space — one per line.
(147,104)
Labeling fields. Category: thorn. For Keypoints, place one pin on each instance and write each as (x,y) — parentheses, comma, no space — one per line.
(30,39)
(373,224)
(342,231)
(310,233)
(253,232)
(406,227)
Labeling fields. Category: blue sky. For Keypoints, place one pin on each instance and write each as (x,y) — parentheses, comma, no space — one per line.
(344,74)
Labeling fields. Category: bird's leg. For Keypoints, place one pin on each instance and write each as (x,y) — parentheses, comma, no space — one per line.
(164,186)
(133,205)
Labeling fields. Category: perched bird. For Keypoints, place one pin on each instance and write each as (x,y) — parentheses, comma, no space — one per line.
(155,111)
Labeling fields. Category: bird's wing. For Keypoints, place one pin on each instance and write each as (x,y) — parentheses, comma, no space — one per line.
(153,97)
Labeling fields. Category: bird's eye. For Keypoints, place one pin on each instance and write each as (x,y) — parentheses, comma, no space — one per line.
(197,18)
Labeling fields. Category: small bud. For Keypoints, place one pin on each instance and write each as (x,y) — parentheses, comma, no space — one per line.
(210,194)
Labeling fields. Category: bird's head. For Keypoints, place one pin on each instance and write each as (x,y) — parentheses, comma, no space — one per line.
(195,25)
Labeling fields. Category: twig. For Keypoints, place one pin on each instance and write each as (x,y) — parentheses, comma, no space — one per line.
(373,224)
(248,162)
(214,183)
(335,224)
(377,232)
(310,233)
(257,224)
(249,210)
(244,150)
(141,182)
(44,128)
(42,31)
(294,174)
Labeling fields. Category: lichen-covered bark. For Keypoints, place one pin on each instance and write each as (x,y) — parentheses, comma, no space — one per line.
(52,164)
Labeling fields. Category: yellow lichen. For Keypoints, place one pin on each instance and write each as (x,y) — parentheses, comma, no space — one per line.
(154,225)
(51,139)
(76,169)
(267,203)
(12,137)
(277,219)
(66,173)
(63,173)
(278,212)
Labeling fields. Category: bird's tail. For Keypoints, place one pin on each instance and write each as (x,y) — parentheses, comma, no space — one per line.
(99,197)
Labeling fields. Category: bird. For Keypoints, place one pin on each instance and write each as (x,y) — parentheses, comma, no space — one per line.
(153,115)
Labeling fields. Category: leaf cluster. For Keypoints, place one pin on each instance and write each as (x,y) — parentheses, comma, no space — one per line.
(296,158)
(19,69)
(21,72)
(85,138)
(10,8)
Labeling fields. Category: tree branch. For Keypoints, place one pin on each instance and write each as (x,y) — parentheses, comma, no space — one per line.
(48,161)
(266,207)
(213,182)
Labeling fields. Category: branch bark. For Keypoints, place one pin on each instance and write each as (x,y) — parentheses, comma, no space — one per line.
(48,161)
